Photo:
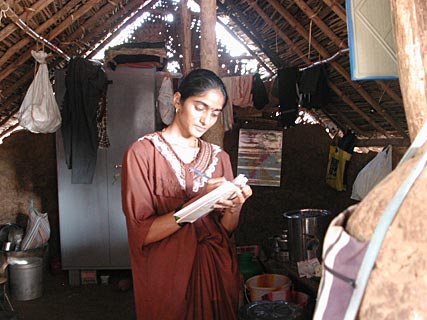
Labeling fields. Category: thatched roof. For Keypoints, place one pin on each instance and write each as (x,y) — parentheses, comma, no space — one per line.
(277,33)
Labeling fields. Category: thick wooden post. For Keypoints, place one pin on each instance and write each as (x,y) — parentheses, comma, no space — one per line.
(397,268)
(410,29)
(209,58)
(186,37)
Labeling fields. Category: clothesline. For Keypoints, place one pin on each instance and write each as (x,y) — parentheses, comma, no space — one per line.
(22,25)
(325,60)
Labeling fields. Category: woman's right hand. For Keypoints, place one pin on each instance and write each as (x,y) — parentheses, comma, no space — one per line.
(214,183)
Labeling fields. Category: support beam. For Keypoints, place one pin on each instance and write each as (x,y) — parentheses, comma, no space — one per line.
(383,142)
(410,28)
(209,59)
(186,37)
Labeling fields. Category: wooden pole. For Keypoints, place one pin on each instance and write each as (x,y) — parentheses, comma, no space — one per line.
(186,37)
(209,59)
(410,29)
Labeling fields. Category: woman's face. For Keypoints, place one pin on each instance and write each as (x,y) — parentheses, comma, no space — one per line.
(198,113)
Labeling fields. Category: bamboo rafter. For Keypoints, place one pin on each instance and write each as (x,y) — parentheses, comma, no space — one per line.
(33,34)
(303,57)
(325,54)
(342,14)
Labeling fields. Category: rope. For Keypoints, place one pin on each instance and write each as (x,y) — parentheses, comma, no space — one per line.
(309,38)
(3,11)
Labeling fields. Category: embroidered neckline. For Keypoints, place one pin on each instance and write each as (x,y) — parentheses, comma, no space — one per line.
(206,160)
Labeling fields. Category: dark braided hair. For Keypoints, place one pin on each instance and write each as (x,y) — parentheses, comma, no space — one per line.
(198,82)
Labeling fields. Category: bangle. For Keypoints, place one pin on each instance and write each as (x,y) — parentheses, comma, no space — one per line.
(181,224)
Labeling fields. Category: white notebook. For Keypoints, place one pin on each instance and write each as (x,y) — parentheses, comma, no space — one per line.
(204,205)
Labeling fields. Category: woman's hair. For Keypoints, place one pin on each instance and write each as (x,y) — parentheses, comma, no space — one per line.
(198,82)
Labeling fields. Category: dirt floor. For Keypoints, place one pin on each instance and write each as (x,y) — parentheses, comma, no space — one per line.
(60,301)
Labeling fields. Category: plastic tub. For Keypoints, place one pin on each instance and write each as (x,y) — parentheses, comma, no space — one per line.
(266,283)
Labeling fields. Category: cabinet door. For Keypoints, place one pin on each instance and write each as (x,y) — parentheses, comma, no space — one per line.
(130,115)
(83,208)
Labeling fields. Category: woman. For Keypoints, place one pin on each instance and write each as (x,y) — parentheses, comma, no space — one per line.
(182,271)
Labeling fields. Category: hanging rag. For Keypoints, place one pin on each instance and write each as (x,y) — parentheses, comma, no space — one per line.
(165,101)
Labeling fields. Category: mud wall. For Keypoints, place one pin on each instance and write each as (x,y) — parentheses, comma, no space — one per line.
(28,171)
(304,164)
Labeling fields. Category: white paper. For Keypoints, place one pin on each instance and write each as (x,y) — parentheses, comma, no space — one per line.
(204,205)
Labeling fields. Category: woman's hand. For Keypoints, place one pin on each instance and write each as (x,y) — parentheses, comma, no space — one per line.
(214,183)
(235,204)
(232,207)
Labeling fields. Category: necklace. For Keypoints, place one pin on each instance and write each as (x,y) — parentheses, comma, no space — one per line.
(182,143)
(187,151)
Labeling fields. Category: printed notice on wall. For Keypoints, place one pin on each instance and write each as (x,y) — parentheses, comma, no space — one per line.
(260,156)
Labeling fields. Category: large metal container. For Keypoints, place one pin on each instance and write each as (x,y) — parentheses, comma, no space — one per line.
(26,279)
(307,228)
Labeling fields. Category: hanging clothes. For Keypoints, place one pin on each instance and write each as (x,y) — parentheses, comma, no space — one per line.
(227,115)
(242,90)
(313,87)
(85,83)
(259,93)
(288,97)
(165,101)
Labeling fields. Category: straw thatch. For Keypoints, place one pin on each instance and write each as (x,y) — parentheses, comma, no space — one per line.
(277,33)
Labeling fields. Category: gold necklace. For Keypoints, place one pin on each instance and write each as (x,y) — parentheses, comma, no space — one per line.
(175,142)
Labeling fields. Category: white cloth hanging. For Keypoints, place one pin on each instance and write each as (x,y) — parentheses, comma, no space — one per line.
(39,112)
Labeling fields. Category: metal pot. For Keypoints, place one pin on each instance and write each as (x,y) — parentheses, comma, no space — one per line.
(307,228)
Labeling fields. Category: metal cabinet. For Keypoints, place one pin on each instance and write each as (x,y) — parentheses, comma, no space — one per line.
(92,225)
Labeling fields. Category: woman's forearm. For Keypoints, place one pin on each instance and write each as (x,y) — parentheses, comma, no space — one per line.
(161,228)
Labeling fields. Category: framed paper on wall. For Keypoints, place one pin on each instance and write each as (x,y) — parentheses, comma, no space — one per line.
(260,156)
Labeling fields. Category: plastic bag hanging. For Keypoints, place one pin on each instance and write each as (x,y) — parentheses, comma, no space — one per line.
(39,112)
(375,171)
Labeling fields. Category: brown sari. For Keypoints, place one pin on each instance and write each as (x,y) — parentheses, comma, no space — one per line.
(193,273)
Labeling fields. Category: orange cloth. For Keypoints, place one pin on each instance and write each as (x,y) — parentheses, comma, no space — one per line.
(192,274)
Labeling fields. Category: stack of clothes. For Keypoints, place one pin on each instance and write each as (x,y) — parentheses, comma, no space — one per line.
(138,55)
